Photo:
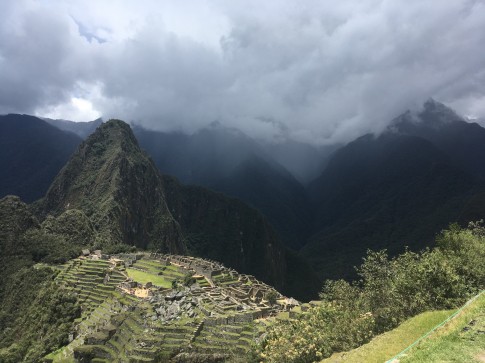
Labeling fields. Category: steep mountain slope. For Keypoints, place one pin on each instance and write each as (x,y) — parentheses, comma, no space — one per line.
(463,142)
(35,317)
(228,161)
(304,161)
(119,189)
(15,220)
(398,189)
(391,191)
(227,230)
(25,241)
(82,129)
(272,190)
(203,158)
(31,154)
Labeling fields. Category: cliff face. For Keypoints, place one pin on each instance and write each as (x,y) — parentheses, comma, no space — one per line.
(227,230)
(117,186)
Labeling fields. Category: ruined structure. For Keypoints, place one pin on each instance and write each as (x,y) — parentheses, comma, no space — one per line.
(140,307)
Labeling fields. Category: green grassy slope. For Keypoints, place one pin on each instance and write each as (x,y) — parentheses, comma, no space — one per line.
(462,340)
(144,277)
(387,345)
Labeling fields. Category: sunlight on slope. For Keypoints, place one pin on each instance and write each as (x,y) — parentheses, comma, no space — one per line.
(462,340)
(387,345)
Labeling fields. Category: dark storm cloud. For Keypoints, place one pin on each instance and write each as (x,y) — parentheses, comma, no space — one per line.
(319,72)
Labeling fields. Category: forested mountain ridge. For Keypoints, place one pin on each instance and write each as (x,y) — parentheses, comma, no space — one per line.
(228,161)
(82,129)
(31,154)
(396,189)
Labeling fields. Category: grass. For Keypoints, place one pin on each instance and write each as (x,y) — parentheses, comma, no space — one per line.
(459,341)
(284,315)
(152,263)
(387,345)
(144,277)
(59,357)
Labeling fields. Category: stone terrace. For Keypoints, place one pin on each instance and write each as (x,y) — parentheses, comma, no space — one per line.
(171,305)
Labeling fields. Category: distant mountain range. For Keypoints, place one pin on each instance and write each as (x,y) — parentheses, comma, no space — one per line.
(31,154)
(380,191)
(396,189)
(82,129)
(228,161)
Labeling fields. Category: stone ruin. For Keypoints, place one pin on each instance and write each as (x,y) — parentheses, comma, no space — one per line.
(228,292)
(215,309)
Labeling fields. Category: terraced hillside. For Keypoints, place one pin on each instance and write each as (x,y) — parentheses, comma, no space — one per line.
(92,280)
(152,308)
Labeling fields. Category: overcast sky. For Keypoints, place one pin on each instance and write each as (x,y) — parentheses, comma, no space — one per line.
(315,70)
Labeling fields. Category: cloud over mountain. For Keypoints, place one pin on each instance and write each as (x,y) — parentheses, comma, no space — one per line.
(319,71)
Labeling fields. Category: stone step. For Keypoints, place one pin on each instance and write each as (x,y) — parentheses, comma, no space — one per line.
(173,341)
(211,340)
(115,346)
(144,352)
(221,334)
(140,359)
(207,348)
(96,263)
(246,342)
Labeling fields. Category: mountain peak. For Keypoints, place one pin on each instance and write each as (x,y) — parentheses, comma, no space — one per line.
(438,113)
(116,123)
(431,103)
(433,116)
(114,131)
(118,187)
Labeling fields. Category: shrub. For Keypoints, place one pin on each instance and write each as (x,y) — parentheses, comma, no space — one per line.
(387,292)
(188,279)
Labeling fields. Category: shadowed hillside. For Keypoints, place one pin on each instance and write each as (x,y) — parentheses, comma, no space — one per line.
(228,161)
(397,189)
(31,154)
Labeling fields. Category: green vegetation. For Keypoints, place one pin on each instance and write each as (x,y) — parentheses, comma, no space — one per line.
(118,326)
(118,188)
(387,345)
(388,292)
(460,340)
(271,297)
(36,317)
(227,230)
(144,277)
(118,201)
(188,279)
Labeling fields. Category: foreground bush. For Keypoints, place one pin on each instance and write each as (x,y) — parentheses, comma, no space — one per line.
(387,292)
